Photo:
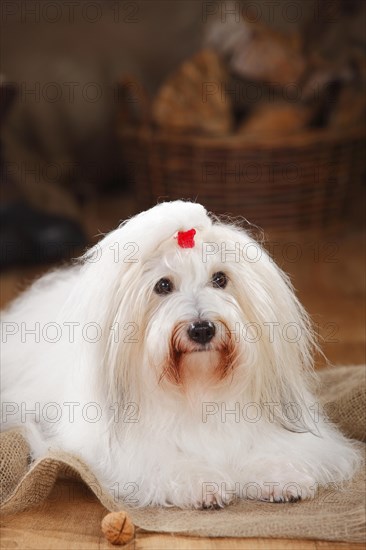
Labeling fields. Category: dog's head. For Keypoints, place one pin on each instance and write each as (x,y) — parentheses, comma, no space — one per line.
(199,306)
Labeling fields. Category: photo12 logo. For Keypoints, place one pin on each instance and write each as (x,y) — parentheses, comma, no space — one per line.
(69,411)
(269,11)
(71,12)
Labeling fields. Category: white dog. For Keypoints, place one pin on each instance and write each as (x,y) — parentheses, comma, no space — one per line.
(175,359)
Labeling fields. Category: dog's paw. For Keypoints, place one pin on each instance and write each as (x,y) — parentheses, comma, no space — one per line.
(210,503)
(214,500)
(283,487)
(192,486)
(276,493)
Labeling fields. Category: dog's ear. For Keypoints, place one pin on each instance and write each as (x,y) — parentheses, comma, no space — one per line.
(279,359)
(110,294)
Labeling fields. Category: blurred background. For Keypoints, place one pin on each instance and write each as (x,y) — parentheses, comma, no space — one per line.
(256,109)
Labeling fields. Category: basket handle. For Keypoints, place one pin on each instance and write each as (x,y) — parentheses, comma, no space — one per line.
(134,104)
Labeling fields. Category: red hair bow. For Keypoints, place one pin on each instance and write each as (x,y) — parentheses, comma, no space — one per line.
(186,238)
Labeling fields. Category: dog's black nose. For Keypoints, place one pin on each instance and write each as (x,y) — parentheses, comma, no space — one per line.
(201,331)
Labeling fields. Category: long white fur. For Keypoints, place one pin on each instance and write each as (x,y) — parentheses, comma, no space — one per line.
(172,444)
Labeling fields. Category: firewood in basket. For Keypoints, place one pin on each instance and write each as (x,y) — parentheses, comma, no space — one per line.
(276,119)
(255,51)
(194,98)
(350,109)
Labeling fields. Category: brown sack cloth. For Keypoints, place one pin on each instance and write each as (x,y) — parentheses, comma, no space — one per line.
(335,514)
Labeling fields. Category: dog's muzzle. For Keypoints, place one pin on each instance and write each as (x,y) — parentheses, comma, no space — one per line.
(201,332)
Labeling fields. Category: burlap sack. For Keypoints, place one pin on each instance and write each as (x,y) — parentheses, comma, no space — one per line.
(335,514)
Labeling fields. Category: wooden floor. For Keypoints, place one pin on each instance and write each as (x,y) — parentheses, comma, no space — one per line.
(63,523)
(328,272)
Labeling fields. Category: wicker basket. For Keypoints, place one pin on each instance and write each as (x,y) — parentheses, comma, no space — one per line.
(306,181)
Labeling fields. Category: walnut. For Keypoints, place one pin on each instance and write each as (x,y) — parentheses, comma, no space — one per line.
(118,528)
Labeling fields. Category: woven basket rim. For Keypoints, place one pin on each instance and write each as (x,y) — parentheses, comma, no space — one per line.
(311,137)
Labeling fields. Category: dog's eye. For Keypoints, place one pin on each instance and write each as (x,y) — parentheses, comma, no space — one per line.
(164,286)
(219,279)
